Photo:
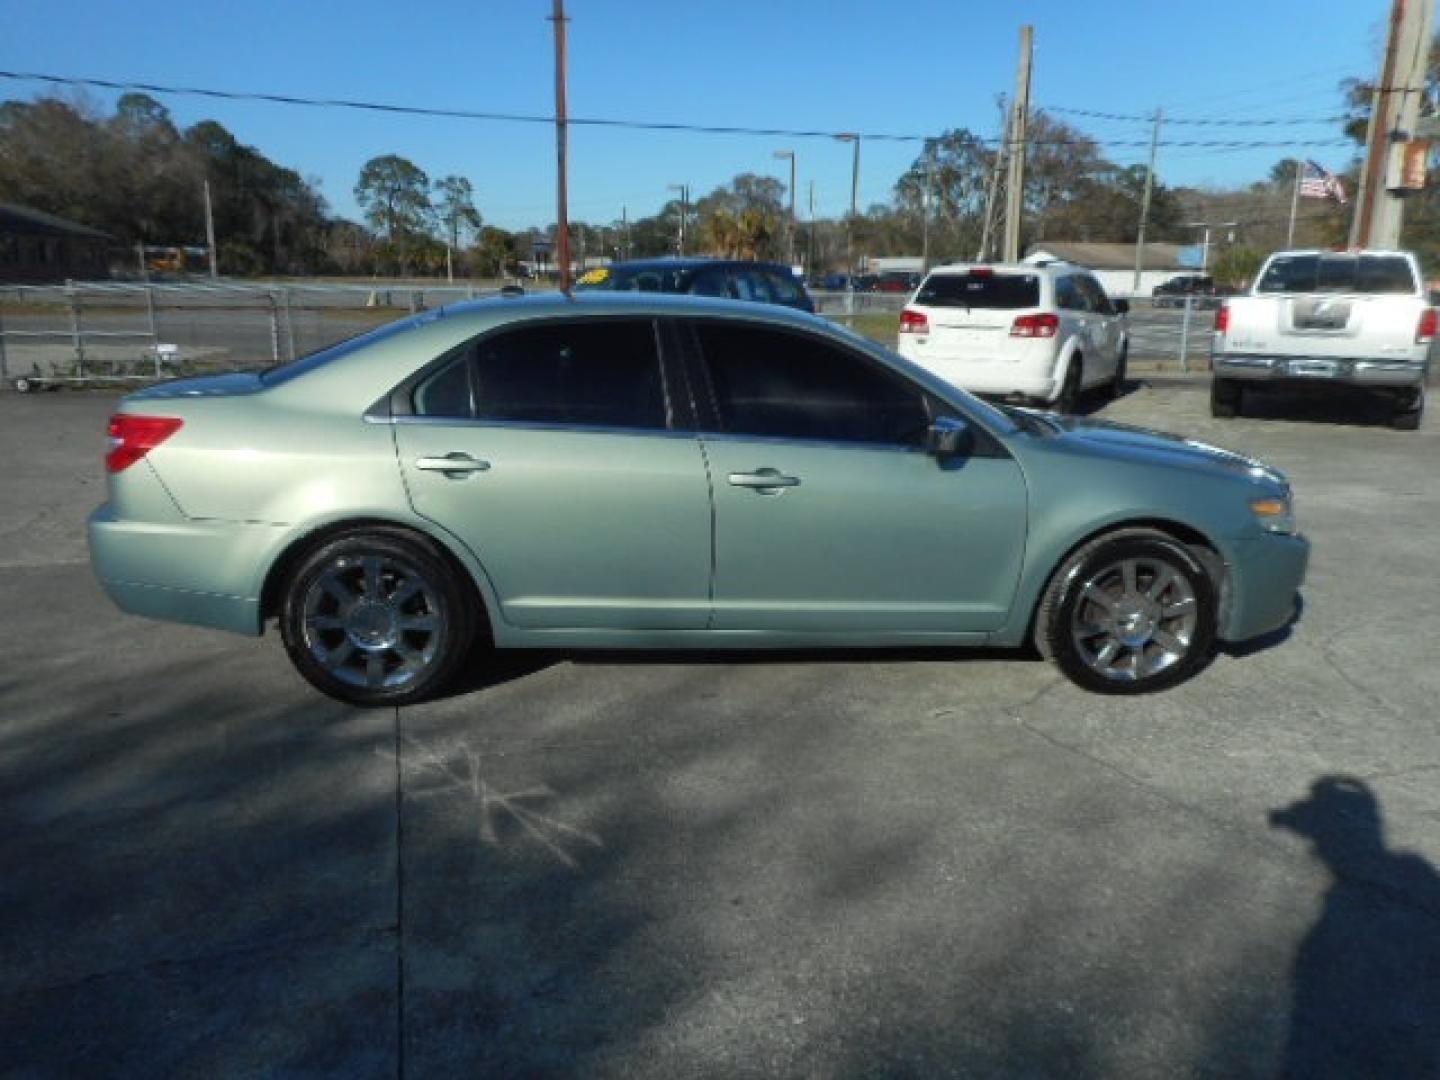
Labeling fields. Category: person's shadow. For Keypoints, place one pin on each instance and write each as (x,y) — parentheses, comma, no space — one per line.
(1367,976)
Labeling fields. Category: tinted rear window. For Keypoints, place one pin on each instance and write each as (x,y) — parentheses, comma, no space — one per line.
(980,291)
(1338,273)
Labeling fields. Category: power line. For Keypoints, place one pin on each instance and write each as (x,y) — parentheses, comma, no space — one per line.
(628,124)
(1290,121)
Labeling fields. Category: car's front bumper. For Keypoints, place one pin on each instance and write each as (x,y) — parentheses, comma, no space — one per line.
(1319,370)
(207,573)
(1265,574)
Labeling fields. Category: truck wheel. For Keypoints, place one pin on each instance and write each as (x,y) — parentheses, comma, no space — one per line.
(1224,398)
(1408,418)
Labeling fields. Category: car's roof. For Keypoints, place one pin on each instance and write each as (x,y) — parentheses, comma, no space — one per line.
(1051,267)
(689,262)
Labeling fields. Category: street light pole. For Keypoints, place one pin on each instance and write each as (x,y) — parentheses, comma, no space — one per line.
(790,231)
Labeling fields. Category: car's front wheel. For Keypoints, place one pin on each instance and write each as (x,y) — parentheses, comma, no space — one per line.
(377,617)
(1129,613)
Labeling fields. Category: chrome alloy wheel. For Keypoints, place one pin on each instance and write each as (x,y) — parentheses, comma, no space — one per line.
(373,621)
(1134,618)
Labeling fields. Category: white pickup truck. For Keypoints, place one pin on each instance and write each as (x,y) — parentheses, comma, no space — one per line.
(1327,320)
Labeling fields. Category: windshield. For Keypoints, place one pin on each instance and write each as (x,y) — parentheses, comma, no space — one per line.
(1340,273)
(280,373)
(633,279)
(980,290)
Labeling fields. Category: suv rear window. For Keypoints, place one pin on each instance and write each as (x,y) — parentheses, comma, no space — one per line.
(980,291)
(1338,273)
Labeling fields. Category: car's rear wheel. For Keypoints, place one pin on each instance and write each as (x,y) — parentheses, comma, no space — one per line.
(377,617)
(1069,398)
(1117,388)
(1407,416)
(1224,398)
(1129,613)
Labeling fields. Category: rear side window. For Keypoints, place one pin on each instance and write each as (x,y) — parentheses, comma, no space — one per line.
(1378,274)
(984,290)
(751,285)
(772,383)
(1068,296)
(599,374)
(784,288)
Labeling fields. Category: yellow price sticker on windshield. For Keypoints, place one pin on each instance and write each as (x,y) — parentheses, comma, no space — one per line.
(597,276)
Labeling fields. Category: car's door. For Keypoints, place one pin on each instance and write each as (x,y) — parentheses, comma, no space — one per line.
(1107,328)
(554,451)
(828,514)
(1073,309)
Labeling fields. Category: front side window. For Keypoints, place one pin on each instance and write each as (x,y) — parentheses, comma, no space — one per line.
(1068,296)
(1095,297)
(751,285)
(792,385)
(783,287)
(597,374)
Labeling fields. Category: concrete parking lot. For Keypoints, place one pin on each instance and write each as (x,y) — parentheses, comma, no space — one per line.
(914,864)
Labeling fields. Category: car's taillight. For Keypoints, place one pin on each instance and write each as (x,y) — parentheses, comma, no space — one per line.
(132,437)
(914,322)
(1429,324)
(1043,325)
(1222,318)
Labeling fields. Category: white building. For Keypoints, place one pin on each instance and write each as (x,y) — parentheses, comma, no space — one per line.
(1114,264)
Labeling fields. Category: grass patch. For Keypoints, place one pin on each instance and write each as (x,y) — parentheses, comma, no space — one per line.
(881,326)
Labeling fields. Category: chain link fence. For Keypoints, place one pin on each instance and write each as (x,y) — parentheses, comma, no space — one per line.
(97,333)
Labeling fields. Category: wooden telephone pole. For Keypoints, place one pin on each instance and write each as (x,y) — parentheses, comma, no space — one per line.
(562,214)
(1015,181)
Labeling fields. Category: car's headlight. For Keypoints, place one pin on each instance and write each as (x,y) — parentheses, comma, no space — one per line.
(1274,514)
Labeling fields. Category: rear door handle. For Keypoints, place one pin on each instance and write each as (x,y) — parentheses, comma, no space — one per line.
(456,465)
(767,481)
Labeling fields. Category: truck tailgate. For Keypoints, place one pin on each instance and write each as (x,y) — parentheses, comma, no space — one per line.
(1324,325)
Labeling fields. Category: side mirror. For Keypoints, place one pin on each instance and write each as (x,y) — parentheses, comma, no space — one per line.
(1122,306)
(946,437)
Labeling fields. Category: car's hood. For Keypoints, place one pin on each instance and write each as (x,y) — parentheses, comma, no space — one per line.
(1121,440)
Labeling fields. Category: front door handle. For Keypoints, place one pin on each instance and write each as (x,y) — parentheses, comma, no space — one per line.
(767,481)
(456,465)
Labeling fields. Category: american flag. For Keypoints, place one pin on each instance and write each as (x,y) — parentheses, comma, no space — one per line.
(1317,182)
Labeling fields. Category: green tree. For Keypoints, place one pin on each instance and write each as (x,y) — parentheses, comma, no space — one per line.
(455,204)
(394,193)
(1237,266)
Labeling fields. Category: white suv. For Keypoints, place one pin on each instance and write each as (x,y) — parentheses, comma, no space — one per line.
(1044,332)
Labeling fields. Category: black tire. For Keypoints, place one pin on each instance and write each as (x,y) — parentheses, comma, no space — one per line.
(1408,417)
(396,645)
(1224,398)
(1117,388)
(1159,642)
(1069,398)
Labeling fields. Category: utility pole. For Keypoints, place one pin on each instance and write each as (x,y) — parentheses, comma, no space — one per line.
(210,232)
(810,235)
(925,220)
(854,140)
(790,231)
(992,195)
(1015,190)
(1394,112)
(684,190)
(562,194)
(624,232)
(1300,168)
(1145,203)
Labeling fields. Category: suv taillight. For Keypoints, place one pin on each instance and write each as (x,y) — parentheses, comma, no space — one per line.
(1429,324)
(1222,318)
(1044,325)
(132,437)
(914,322)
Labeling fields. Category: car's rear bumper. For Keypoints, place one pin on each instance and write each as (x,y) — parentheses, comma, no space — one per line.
(1265,578)
(203,572)
(1319,370)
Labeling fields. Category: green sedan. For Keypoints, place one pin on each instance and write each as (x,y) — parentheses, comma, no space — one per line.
(623,471)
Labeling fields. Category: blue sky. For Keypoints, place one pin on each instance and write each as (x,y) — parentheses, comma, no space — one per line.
(914,67)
